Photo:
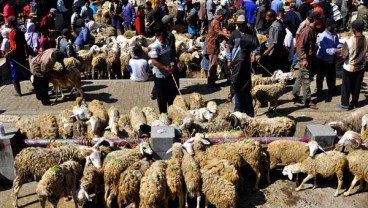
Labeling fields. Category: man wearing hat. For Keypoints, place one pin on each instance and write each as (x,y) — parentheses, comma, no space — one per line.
(48,21)
(212,44)
(305,48)
(328,49)
(354,53)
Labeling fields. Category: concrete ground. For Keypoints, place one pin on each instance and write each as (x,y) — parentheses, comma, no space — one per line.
(126,94)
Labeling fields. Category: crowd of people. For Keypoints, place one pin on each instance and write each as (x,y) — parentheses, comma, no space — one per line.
(290,27)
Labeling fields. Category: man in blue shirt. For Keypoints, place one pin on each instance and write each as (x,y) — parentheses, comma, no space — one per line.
(251,8)
(128,15)
(276,5)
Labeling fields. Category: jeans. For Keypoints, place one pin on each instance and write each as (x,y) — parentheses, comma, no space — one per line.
(351,83)
(180,17)
(327,70)
(116,23)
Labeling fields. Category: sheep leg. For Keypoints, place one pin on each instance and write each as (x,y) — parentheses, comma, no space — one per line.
(314,182)
(186,199)
(297,179)
(272,166)
(339,175)
(42,200)
(304,181)
(56,94)
(360,185)
(62,94)
(79,90)
(355,180)
(16,188)
(205,204)
(54,201)
(181,200)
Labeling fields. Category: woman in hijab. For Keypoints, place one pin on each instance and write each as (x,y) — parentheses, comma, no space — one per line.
(85,37)
(32,38)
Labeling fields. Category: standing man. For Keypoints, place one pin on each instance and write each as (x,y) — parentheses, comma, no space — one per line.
(17,54)
(193,19)
(294,18)
(305,48)
(355,53)
(162,70)
(149,19)
(182,7)
(260,18)
(128,15)
(363,14)
(211,8)
(251,9)
(116,16)
(87,12)
(202,17)
(212,44)
(276,36)
(328,48)
(63,10)
(276,5)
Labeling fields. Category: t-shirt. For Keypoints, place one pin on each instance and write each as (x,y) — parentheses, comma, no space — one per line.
(276,34)
(162,53)
(356,49)
(289,43)
(251,9)
(138,67)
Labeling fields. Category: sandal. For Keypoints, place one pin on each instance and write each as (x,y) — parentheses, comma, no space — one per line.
(230,98)
(313,106)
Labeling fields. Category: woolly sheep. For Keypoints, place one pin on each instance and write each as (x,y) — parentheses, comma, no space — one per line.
(118,161)
(174,174)
(259,80)
(202,114)
(186,58)
(192,177)
(98,109)
(350,138)
(80,129)
(287,152)
(125,126)
(99,65)
(358,166)
(325,164)
(80,110)
(268,93)
(113,63)
(130,181)
(224,169)
(177,113)
(32,162)
(150,115)
(29,127)
(351,121)
(364,130)
(69,79)
(181,102)
(70,62)
(137,119)
(226,134)
(195,101)
(153,187)
(114,116)
(212,106)
(65,123)
(48,126)
(124,61)
(58,181)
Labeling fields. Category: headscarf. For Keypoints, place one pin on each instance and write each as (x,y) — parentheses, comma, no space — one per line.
(91,25)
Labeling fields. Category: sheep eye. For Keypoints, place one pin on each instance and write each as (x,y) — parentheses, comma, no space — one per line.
(144,148)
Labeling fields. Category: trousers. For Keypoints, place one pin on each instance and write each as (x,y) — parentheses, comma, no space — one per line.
(212,69)
(351,83)
(165,92)
(303,80)
(41,87)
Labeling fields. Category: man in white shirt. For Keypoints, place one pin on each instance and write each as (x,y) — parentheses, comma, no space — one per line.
(138,67)
(289,44)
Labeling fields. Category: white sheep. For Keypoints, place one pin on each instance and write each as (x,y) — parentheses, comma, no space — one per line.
(325,164)
(352,121)
(358,166)
(80,110)
(153,187)
(58,181)
(32,162)
(65,121)
(114,116)
(137,119)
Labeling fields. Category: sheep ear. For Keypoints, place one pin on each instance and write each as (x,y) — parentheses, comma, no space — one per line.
(290,175)
(364,123)
(191,140)
(87,196)
(205,142)
(319,147)
(107,128)
(168,151)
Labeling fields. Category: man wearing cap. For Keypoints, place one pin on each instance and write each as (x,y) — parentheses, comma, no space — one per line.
(212,44)
(305,48)
(328,48)
(363,14)
(162,69)
(48,21)
(182,7)
(65,45)
(354,53)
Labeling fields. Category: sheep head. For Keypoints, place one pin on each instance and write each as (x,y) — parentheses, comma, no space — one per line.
(145,148)
(313,147)
(82,197)
(94,158)
(364,121)
(290,169)
(176,149)
(95,124)
(350,138)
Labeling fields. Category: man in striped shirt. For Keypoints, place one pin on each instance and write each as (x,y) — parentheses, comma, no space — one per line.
(355,53)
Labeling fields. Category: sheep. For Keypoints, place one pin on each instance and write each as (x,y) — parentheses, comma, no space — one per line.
(186,58)
(124,61)
(114,117)
(326,164)
(352,121)
(259,80)
(217,190)
(181,102)
(48,126)
(224,169)
(32,162)
(263,127)
(174,174)
(130,181)
(268,93)
(164,118)
(59,181)
(358,166)
(28,127)
(125,126)
(287,152)
(113,63)
(192,177)
(79,129)
(152,191)
(150,115)
(85,58)
(70,62)
(195,101)
(97,109)
(99,65)
(137,119)
(212,106)
(118,161)
(80,110)
(69,79)
(94,129)
(364,130)
(226,134)
(65,121)
(177,113)
(352,139)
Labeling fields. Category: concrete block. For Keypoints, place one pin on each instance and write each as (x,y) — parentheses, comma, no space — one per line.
(161,155)
(162,138)
(323,134)
(7,154)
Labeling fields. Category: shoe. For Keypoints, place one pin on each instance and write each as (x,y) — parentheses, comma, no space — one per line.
(342,107)
(296,99)
(312,106)
(46,102)
(17,88)
(153,97)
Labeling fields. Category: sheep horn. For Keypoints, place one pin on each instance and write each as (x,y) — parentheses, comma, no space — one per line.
(234,121)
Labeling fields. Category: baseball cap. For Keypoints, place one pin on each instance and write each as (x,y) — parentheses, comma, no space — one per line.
(53,10)
(358,25)
(166,19)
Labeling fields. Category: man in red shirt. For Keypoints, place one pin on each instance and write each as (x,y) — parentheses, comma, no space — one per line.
(7,11)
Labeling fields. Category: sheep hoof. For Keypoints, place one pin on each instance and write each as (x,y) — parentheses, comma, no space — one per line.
(314,187)
(346,194)
(297,189)
(336,194)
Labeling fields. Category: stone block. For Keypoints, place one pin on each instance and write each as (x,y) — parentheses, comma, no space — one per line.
(162,138)
(7,154)
(323,134)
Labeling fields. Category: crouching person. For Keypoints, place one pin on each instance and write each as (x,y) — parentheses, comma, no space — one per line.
(40,66)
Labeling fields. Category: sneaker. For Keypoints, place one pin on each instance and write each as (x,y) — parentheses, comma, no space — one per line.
(342,107)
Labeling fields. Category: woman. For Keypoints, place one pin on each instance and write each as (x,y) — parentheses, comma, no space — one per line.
(85,36)
(33,41)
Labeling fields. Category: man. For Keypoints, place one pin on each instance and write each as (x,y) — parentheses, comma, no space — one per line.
(276,35)
(65,45)
(48,21)
(251,9)
(202,17)
(76,21)
(238,61)
(276,5)
(193,19)
(87,12)
(149,18)
(304,9)
(211,8)
(162,70)
(305,48)
(212,44)
(363,14)
(294,18)
(8,11)
(62,9)
(17,55)
(116,16)
(261,13)
(317,8)
(354,52)
(128,15)
(160,11)
(182,7)
(328,47)
(41,65)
